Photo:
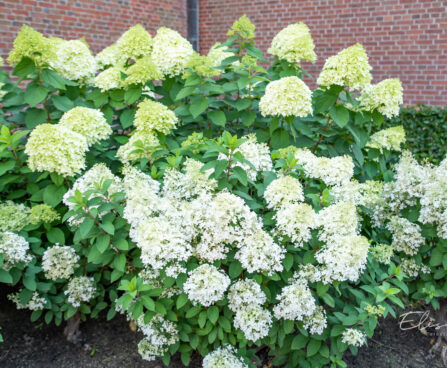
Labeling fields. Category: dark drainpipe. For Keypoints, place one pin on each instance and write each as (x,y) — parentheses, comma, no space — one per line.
(192,21)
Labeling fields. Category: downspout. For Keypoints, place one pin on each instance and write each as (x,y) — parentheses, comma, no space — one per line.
(192,22)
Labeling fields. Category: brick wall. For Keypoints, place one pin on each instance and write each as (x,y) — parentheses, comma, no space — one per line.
(101,22)
(404,38)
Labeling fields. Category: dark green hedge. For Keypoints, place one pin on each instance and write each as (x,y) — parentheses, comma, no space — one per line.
(426,130)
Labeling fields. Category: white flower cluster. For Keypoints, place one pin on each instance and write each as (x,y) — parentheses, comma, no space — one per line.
(159,335)
(283,191)
(407,236)
(295,220)
(317,322)
(13,216)
(80,290)
(389,139)
(206,285)
(331,171)
(74,61)
(354,337)
(59,262)
(385,97)
(171,52)
(258,154)
(245,298)
(218,53)
(295,302)
(288,96)
(14,249)
(36,302)
(223,357)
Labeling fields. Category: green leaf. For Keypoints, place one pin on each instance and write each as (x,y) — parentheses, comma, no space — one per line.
(53,194)
(103,242)
(299,342)
(62,103)
(24,68)
(248,117)
(340,115)
(56,235)
(119,262)
(5,166)
(288,261)
(108,227)
(34,117)
(181,300)
(235,269)
(86,226)
(121,244)
(243,104)
(35,94)
(217,117)
(53,79)
(213,314)
(240,174)
(198,107)
(148,303)
(313,347)
(280,139)
(193,311)
(127,118)
(131,95)
(5,277)
(185,92)
(30,283)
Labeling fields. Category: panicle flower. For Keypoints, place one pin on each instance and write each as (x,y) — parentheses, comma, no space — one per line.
(331,171)
(371,193)
(36,302)
(59,262)
(288,96)
(412,269)
(109,56)
(141,72)
(348,191)
(218,53)
(283,191)
(295,302)
(75,61)
(242,27)
(162,243)
(295,220)
(354,337)
(382,253)
(407,236)
(140,145)
(159,335)
(206,285)
(385,97)
(343,258)
(134,43)
(43,213)
(389,139)
(109,79)
(337,220)
(171,52)
(80,290)
(32,44)
(223,357)
(13,216)
(317,322)
(375,310)
(254,321)
(55,148)
(350,68)
(14,249)
(244,293)
(294,44)
(152,115)
(91,123)
(200,65)
(259,253)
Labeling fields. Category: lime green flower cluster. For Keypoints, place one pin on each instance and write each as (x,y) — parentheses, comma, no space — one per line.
(382,253)
(200,65)
(294,44)
(389,139)
(56,148)
(13,216)
(136,42)
(242,27)
(350,68)
(109,56)
(288,96)
(91,123)
(154,116)
(32,44)
(194,141)
(171,52)
(385,97)
(141,72)
(140,145)
(376,310)
(43,213)
(218,53)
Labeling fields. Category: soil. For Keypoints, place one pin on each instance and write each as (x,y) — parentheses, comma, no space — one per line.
(112,344)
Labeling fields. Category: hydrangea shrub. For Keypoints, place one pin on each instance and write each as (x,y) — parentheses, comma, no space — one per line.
(216,201)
